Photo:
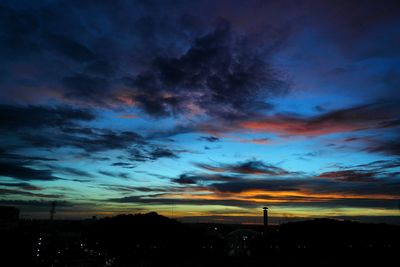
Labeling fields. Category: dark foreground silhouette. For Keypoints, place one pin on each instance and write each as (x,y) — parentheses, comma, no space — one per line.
(154,240)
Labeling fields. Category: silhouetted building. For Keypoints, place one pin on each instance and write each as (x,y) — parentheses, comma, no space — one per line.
(265,209)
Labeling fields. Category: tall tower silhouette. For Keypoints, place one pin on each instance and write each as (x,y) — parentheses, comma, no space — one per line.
(265,209)
(52,210)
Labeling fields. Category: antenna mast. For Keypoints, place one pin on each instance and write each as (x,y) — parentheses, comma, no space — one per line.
(52,210)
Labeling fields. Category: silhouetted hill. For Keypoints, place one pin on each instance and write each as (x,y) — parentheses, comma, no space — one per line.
(134,239)
(138,230)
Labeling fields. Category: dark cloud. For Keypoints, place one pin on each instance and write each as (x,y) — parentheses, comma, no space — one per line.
(127,165)
(155,190)
(383,144)
(27,193)
(377,178)
(101,68)
(122,175)
(242,185)
(18,170)
(210,139)
(385,187)
(107,140)
(71,171)
(84,87)
(22,117)
(152,153)
(374,115)
(171,62)
(388,147)
(247,167)
(92,140)
(17,30)
(380,165)
(87,139)
(25,186)
(170,54)
(61,127)
(26,158)
(70,48)
(362,117)
(346,20)
(163,153)
(203,178)
(185,179)
(220,74)
(120,188)
(350,175)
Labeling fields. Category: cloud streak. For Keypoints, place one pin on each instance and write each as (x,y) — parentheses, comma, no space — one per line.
(18,170)
(363,117)
(249,167)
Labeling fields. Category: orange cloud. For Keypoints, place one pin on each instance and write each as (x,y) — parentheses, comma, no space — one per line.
(371,116)
(265,196)
(296,126)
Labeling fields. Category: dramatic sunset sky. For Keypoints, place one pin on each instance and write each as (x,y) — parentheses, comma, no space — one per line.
(201,110)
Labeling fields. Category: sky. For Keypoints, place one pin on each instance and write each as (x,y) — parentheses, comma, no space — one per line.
(201,110)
